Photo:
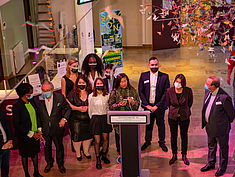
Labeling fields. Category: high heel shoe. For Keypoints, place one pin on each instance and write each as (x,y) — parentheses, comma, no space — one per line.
(87,156)
(173,159)
(79,158)
(98,163)
(185,159)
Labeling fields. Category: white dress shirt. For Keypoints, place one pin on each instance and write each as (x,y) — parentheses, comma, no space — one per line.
(97,105)
(208,109)
(153,83)
(49,104)
(3,133)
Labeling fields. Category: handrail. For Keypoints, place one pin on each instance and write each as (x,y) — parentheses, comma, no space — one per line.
(44,57)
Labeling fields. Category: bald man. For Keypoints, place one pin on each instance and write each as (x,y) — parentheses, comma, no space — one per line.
(217,116)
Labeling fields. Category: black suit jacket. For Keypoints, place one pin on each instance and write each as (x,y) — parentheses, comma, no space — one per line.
(107,84)
(181,107)
(21,119)
(221,115)
(6,125)
(50,124)
(163,84)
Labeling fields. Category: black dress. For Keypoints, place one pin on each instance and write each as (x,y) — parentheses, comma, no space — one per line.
(69,85)
(79,122)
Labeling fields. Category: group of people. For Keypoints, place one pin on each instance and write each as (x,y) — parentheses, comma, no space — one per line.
(87,96)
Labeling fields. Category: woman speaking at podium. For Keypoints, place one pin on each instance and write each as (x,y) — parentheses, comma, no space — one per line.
(124,97)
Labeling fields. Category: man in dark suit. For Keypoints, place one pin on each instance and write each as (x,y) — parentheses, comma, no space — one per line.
(217,116)
(109,77)
(152,90)
(5,144)
(51,106)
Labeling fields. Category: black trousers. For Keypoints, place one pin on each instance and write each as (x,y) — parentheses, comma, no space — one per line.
(183,134)
(58,141)
(223,151)
(158,115)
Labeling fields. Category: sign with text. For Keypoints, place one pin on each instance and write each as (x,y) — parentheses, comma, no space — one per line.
(111,36)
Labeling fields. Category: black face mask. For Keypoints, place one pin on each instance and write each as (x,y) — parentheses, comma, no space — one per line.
(154,70)
(92,65)
(74,70)
(107,76)
(100,87)
(81,87)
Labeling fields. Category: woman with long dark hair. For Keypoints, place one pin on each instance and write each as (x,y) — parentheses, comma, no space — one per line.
(179,99)
(124,97)
(97,108)
(79,120)
(27,127)
(92,67)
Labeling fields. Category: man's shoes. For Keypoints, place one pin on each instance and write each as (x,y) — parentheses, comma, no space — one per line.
(98,163)
(105,159)
(37,174)
(61,168)
(219,172)
(207,167)
(173,159)
(185,159)
(163,146)
(145,145)
(48,168)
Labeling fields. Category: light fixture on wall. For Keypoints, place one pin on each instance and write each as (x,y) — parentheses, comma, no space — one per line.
(2,2)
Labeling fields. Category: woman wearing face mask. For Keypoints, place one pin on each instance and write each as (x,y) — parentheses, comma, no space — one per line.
(68,80)
(124,97)
(97,109)
(92,67)
(27,127)
(79,120)
(179,99)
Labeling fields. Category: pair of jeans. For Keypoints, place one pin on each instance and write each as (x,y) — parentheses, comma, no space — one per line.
(183,134)
(4,162)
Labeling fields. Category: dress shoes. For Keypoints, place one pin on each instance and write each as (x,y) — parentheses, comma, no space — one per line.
(219,172)
(185,159)
(61,168)
(173,159)
(207,167)
(145,145)
(98,163)
(37,174)
(163,147)
(48,168)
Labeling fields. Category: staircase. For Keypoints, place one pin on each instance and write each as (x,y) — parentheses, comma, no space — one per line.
(46,30)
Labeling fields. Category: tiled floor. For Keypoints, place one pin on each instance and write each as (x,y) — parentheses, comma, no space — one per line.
(196,66)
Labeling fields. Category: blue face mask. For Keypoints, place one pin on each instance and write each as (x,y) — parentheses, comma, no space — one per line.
(206,87)
(30,97)
(46,94)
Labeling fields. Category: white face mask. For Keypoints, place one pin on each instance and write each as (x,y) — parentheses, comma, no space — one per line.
(177,85)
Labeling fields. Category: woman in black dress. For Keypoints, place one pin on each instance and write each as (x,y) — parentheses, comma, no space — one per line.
(27,127)
(68,80)
(79,121)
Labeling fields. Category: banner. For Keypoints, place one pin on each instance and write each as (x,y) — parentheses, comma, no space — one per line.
(111,36)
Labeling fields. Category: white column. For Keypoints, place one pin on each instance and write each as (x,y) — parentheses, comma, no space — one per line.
(85,29)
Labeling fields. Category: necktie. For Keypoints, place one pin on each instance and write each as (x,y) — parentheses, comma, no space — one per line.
(206,104)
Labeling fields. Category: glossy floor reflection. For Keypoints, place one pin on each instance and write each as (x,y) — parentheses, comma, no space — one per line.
(196,66)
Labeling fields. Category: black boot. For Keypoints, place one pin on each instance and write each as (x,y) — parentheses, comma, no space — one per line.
(173,159)
(98,163)
(105,159)
(184,158)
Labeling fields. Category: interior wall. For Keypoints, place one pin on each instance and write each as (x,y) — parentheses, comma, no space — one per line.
(68,9)
(132,32)
(12,14)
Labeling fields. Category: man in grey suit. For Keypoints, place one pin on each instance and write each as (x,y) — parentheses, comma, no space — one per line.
(217,116)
